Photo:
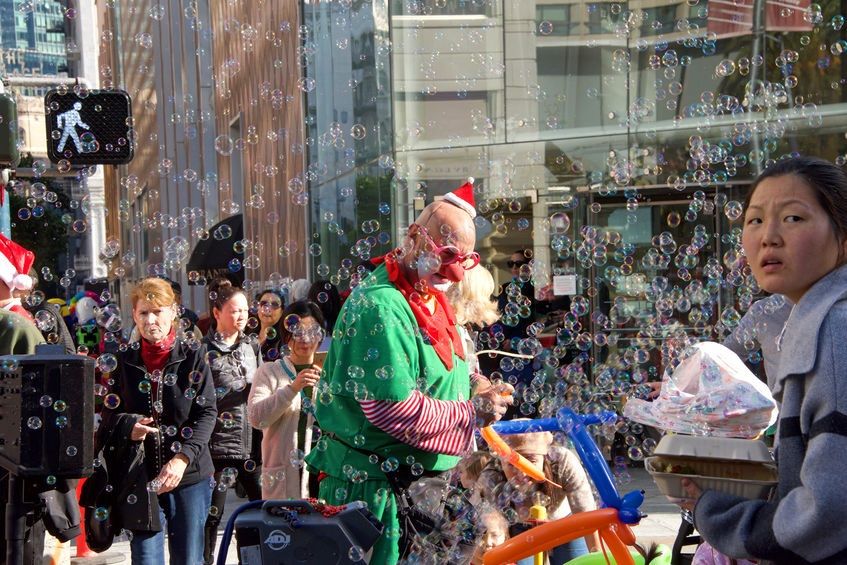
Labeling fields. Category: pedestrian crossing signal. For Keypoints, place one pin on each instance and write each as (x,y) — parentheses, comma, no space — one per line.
(89,127)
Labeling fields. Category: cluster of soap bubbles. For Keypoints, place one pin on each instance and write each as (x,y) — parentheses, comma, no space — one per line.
(644,231)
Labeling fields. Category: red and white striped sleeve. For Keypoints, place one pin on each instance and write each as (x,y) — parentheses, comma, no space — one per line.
(438,426)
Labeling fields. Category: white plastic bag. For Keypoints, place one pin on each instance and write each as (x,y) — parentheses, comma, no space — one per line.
(712,393)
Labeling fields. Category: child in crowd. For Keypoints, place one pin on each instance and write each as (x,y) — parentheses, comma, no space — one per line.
(495,528)
(506,487)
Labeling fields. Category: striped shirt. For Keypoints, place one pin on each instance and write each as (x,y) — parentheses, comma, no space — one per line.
(438,426)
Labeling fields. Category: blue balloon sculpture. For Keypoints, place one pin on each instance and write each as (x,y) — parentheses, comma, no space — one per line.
(574,425)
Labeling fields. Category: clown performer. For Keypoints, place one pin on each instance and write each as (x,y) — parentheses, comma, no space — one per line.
(396,394)
(15,263)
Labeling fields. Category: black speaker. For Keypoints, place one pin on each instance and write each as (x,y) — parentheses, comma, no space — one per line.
(47,414)
(289,532)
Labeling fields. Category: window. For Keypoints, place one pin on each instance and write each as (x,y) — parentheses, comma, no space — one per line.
(559,16)
(441,7)
(659,19)
(600,17)
(236,163)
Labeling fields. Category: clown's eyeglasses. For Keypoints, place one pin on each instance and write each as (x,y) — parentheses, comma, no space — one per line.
(450,254)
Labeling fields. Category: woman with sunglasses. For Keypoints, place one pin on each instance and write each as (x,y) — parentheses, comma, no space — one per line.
(269,313)
(280,404)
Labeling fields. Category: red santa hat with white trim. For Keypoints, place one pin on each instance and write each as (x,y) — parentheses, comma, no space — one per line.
(463,197)
(15,263)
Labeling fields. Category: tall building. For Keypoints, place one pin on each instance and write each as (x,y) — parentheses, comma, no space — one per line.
(43,44)
(219,143)
(32,37)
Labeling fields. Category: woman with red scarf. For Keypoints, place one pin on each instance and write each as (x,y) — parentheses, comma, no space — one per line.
(166,383)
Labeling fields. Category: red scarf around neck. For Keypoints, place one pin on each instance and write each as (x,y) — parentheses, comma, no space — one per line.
(155,355)
(438,328)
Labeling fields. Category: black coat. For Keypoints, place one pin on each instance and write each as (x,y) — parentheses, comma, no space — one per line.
(232,371)
(60,328)
(188,412)
(116,495)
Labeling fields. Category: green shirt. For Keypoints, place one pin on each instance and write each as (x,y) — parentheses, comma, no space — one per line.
(377,353)
(18,335)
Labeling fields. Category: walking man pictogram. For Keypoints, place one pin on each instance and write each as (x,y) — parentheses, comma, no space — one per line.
(68,122)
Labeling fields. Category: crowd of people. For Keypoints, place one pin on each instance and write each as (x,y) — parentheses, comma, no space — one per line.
(362,397)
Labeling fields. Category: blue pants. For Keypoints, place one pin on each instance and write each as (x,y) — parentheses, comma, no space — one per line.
(184,511)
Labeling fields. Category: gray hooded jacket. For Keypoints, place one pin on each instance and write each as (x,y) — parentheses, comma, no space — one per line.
(806,522)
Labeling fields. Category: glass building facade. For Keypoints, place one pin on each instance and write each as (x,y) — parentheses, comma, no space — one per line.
(32,37)
(350,140)
(591,128)
(614,141)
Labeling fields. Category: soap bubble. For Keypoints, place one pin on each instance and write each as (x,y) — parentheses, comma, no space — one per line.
(358,132)
(725,68)
(733,210)
(107,363)
(224,145)
(109,318)
(45,321)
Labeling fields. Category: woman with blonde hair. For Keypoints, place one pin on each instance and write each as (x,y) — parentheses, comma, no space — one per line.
(472,303)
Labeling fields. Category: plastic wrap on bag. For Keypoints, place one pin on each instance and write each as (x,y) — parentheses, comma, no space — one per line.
(711,392)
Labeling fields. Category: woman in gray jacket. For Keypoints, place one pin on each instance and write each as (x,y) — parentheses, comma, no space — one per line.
(795,240)
(233,359)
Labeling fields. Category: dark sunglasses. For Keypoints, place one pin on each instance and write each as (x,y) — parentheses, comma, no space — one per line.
(512,264)
(270,304)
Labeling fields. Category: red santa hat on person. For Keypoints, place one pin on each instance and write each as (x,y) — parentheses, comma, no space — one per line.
(15,263)
(463,198)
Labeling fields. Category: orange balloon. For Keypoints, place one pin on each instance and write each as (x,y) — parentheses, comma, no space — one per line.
(553,534)
(501,448)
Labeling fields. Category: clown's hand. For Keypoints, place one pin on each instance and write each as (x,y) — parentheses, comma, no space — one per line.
(492,401)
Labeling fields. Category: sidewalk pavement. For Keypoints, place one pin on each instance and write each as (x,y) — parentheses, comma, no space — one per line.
(660,525)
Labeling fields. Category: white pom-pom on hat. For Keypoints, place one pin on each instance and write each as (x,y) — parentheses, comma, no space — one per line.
(463,197)
(15,263)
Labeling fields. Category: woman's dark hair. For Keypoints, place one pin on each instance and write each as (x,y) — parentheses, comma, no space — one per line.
(220,291)
(274,291)
(303,309)
(828,181)
(331,306)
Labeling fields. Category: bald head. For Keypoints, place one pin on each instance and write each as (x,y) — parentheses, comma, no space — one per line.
(439,224)
(448,224)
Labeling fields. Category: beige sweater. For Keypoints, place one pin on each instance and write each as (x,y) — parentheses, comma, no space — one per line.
(274,407)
